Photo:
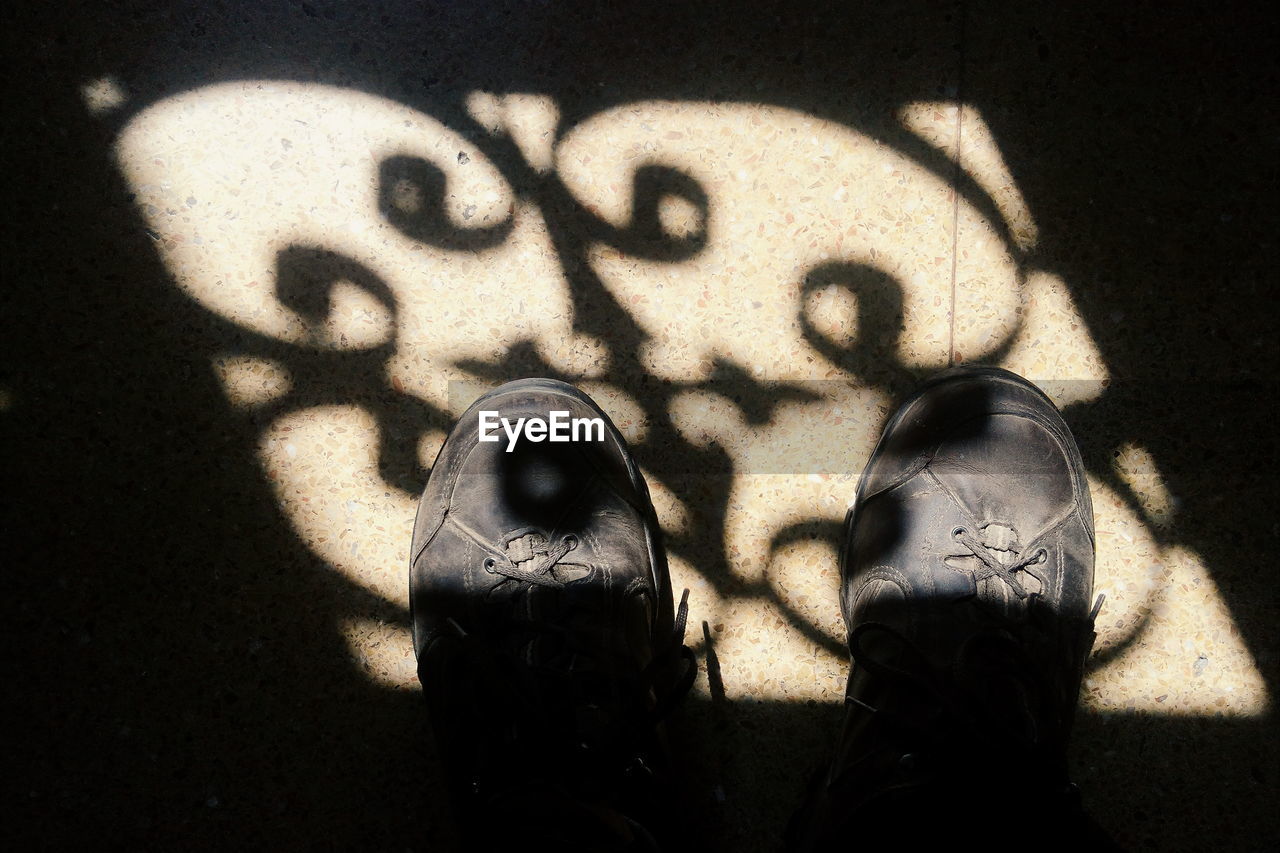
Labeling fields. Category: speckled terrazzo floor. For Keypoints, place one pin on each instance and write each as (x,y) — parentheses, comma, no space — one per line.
(259,258)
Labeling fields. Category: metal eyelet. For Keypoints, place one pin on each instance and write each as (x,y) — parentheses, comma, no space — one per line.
(490,564)
(570,541)
(957,532)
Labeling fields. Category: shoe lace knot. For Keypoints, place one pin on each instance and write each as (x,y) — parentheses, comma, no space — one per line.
(998,555)
(528,555)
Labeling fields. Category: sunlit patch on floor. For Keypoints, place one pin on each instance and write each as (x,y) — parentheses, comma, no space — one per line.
(1052,344)
(834,314)
(429,447)
(804,576)
(249,381)
(812,428)
(1169,640)
(1138,470)
(763,657)
(103,95)
(322,464)
(980,158)
(530,120)
(787,193)
(622,407)
(775,274)
(230,176)
(382,652)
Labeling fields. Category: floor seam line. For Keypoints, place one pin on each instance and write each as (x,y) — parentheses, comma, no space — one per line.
(955,189)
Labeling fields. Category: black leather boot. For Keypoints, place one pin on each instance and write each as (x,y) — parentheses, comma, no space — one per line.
(967,576)
(548,646)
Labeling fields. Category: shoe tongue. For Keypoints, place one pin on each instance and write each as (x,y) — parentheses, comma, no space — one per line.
(1002,543)
(1002,540)
(583,670)
(521,550)
(577,636)
(527,550)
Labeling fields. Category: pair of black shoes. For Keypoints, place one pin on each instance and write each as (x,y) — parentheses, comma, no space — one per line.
(550,651)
